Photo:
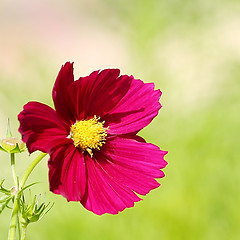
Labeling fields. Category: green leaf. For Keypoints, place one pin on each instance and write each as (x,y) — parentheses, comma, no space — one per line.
(33,211)
(4,202)
(28,186)
(4,190)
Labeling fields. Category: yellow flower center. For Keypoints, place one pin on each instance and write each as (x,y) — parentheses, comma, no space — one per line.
(88,134)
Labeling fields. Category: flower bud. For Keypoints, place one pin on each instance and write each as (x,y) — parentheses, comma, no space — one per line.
(12,145)
(34,211)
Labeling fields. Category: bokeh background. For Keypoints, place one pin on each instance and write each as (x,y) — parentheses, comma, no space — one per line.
(191,51)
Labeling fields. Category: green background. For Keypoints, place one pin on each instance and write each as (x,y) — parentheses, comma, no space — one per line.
(191,51)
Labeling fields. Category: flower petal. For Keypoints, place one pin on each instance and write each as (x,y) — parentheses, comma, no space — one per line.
(98,93)
(121,168)
(41,128)
(67,174)
(135,110)
(60,94)
(103,194)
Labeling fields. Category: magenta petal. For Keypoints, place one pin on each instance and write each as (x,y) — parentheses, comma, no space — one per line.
(41,128)
(135,110)
(109,89)
(104,193)
(79,94)
(98,93)
(60,94)
(67,174)
(122,167)
(136,163)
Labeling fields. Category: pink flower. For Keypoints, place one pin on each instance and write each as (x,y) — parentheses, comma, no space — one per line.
(96,156)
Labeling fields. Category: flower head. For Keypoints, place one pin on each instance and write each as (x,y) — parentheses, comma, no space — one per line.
(96,156)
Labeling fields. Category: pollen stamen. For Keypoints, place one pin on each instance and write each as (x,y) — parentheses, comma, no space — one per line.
(88,134)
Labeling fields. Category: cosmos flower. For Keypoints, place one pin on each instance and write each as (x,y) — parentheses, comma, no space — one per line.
(96,156)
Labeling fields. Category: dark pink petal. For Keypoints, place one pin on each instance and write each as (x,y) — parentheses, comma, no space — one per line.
(67,173)
(121,168)
(60,95)
(80,92)
(135,110)
(98,93)
(104,193)
(41,128)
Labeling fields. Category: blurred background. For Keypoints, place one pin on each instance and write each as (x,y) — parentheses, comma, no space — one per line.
(191,51)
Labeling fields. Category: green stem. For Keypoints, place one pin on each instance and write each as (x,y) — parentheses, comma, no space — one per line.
(14,219)
(19,229)
(13,169)
(30,169)
(24,230)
